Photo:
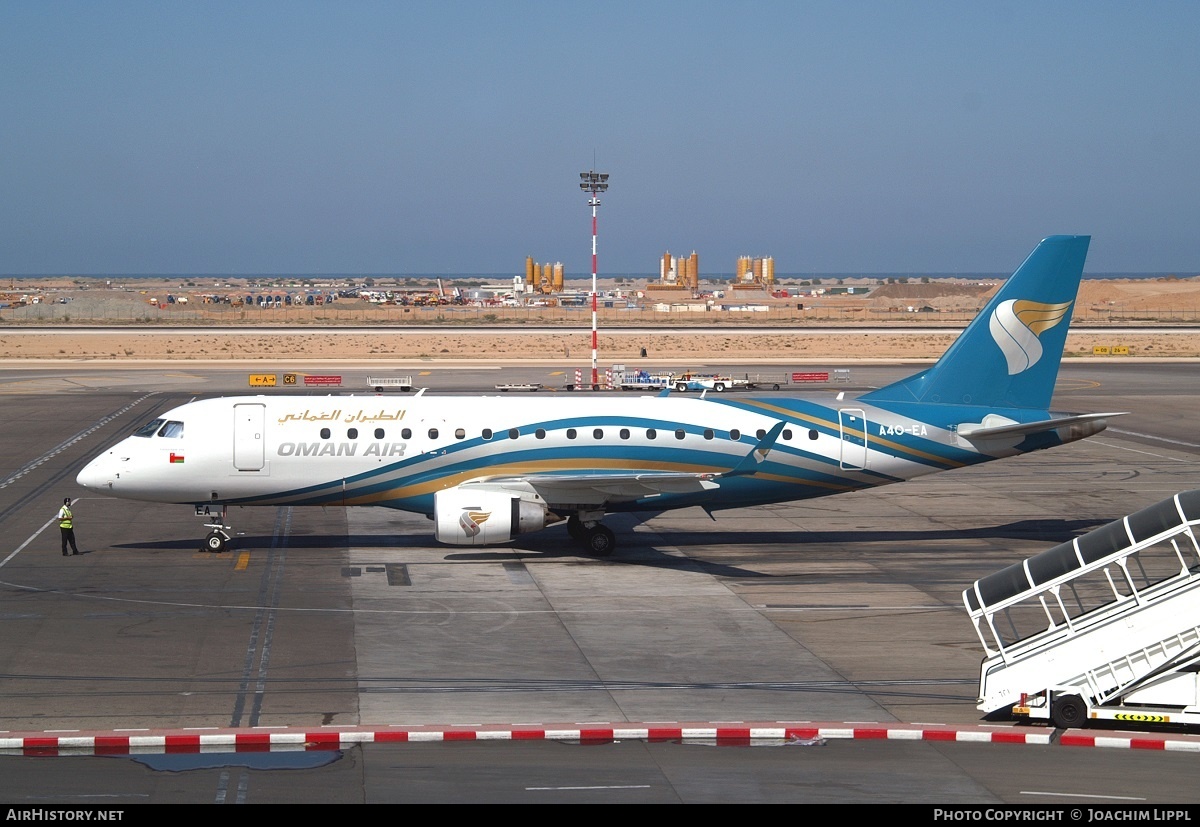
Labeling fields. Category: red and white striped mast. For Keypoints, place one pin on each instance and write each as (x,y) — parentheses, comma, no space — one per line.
(595,183)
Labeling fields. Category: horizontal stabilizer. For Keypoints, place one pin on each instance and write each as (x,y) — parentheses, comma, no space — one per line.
(994,425)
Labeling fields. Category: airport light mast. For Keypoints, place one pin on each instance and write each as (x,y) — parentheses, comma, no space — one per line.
(595,183)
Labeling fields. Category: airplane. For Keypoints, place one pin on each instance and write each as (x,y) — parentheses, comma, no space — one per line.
(487,469)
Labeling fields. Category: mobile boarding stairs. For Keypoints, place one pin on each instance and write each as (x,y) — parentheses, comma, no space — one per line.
(1104,627)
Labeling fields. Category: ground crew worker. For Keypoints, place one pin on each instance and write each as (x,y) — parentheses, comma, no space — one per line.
(67,526)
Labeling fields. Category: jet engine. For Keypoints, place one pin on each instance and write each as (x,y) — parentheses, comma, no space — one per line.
(477,516)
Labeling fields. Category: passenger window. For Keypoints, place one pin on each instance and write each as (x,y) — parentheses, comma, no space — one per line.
(812,434)
(598,433)
(324,433)
(787,433)
(433,433)
(735,434)
(172,430)
(651,433)
(680,434)
(487,433)
(624,433)
(352,433)
(571,433)
(760,433)
(708,433)
(379,433)
(459,433)
(406,433)
(540,433)
(513,433)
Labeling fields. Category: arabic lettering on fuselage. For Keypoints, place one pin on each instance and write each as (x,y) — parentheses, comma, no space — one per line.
(336,414)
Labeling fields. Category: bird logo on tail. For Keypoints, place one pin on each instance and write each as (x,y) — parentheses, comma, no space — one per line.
(1016,325)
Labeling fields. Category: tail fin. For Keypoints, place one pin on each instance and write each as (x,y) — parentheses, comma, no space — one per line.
(1008,356)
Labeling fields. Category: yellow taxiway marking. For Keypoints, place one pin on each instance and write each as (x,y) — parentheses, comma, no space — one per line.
(243,561)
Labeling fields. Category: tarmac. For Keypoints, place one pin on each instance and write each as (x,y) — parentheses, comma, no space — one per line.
(833,618)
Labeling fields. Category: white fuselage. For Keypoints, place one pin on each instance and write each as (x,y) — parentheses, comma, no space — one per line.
(375,450)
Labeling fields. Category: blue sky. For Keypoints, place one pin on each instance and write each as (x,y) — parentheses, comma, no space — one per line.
(437,138)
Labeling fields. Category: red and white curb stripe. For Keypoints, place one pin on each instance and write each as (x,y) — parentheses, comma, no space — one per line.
(1171,742)
(265,739)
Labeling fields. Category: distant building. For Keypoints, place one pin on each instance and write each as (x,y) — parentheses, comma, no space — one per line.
(543,278)
(754,273)
(678,273)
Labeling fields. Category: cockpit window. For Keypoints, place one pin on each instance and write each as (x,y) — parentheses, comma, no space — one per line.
(172,430)
(150,428)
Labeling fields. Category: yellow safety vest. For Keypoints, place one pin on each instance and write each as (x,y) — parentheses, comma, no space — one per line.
(64,518)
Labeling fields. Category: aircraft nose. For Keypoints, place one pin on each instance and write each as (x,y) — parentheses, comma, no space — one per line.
(98,474)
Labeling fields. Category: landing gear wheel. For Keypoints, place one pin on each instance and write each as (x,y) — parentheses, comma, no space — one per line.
(215,542)
(1068,711)
(600,541)
(575,529)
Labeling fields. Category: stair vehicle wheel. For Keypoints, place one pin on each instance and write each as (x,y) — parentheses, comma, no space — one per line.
(601,541)
(719,387)
(1068,711)
(680,386)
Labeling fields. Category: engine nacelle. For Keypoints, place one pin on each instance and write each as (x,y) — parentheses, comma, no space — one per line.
(476,516)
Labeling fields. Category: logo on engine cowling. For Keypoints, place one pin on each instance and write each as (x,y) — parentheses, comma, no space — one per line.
(472,521)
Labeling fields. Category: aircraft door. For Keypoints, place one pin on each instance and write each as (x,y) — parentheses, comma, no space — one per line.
(853,425)
(249,436)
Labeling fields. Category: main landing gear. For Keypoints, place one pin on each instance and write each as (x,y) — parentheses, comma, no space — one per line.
(597,538)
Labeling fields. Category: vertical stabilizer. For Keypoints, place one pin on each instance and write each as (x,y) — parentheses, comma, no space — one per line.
(1008,356)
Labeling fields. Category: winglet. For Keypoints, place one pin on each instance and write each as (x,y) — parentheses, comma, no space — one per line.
(758,454)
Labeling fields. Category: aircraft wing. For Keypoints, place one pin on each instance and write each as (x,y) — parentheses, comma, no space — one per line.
(994,425)
(597,488)
(603,488)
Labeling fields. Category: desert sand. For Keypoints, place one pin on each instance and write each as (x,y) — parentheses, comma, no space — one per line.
(1143,305)
(681,347)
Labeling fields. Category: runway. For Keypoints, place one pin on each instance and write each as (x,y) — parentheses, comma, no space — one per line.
(845,611)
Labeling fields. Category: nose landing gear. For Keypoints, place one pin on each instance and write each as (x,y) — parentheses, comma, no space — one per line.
(218,538)
(216,541)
